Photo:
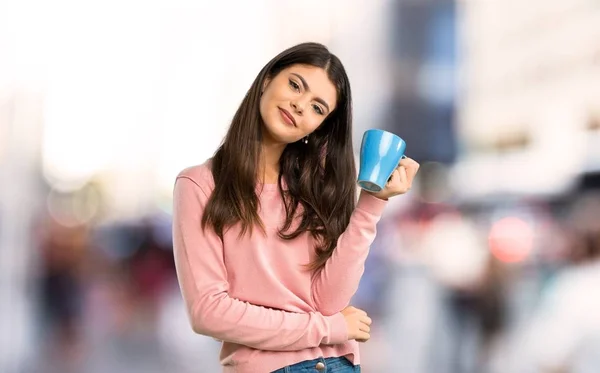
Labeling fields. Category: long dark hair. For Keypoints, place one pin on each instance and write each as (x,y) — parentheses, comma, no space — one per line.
(320,175)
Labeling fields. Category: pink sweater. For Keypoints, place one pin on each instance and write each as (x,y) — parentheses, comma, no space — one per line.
(252,293)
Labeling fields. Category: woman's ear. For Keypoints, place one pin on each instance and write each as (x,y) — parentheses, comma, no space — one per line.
(264,85)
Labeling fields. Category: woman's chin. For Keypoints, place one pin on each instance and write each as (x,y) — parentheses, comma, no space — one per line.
(281,133)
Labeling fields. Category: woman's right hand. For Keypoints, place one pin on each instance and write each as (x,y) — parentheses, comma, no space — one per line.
(358,324)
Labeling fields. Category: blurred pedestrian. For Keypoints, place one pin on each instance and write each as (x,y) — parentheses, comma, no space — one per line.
(565,332)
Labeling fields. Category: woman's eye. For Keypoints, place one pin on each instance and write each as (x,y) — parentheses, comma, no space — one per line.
(318,109)
(294,85)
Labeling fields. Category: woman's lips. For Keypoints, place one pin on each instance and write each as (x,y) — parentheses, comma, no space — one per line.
(287,117)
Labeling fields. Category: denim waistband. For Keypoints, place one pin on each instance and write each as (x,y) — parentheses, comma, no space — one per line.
(321,365)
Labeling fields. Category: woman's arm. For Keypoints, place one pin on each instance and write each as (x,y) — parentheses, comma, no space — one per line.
(336,283)
(203,281)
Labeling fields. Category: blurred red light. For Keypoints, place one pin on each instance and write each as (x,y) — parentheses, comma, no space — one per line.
(511,240)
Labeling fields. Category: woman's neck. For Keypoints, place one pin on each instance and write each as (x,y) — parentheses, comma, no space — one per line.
(269,162)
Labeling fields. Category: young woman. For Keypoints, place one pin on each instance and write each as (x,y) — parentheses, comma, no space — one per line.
(269,239)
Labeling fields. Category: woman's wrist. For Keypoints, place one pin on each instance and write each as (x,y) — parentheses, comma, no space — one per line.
(369,202)
(338,330)
(375,195)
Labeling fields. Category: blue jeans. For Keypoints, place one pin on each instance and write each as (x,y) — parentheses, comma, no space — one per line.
(322,365)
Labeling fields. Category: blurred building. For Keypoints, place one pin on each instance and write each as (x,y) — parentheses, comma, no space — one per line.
(20,198)
(529,107)
(423,67)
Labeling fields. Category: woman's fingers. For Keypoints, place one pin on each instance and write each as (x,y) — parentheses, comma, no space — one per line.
(411,167)
(401,179)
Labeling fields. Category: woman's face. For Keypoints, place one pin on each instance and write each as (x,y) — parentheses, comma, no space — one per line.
(295,103)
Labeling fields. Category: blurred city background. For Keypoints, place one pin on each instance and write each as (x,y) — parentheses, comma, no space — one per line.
(490,264)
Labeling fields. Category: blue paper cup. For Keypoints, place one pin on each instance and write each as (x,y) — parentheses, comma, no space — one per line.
(380,153)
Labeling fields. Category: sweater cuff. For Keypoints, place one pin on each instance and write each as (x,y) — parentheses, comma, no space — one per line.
(338,332)
(370,203)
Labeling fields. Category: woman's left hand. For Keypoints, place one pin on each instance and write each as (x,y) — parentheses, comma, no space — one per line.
(401,180)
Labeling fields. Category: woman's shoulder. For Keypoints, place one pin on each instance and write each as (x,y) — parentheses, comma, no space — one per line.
(200,174)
